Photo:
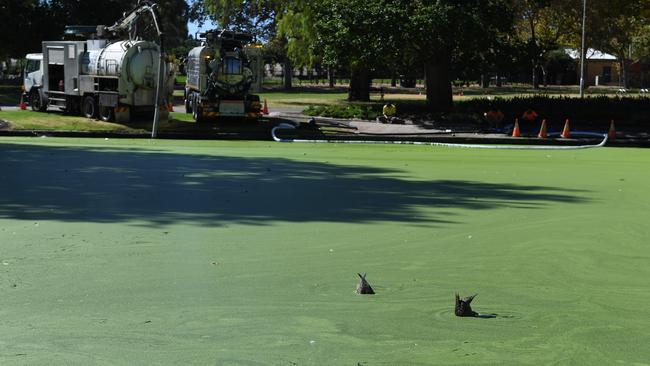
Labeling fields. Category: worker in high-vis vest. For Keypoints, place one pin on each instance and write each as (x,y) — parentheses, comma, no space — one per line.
(389,112)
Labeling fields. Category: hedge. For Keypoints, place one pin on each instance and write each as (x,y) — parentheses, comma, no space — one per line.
(594,111)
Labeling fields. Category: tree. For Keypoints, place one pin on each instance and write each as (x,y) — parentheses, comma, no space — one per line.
(621,21)
(539,26)
(174,15)
(359,36)
(25,24)
(257,17)
(439,32)
(612,26)
(296,28)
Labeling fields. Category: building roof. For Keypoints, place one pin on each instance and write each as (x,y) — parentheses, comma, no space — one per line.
(592,54)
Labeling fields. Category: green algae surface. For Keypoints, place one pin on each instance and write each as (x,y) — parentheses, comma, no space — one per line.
(123,252)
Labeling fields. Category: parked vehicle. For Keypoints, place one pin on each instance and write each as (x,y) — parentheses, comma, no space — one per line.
(220,76)
(96,75)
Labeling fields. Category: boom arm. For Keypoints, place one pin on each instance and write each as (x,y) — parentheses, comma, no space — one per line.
(127,22)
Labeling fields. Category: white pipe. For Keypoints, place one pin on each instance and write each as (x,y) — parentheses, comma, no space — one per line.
(287,126)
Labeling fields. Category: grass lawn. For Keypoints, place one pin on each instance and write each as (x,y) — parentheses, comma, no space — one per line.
(169,252)
(302,99)
(321,96)
(56,121)
(30,120)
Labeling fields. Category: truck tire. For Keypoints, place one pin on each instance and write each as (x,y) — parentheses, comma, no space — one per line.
(188,103)
(107,114)
(197,112)
(37,101)
(89,107)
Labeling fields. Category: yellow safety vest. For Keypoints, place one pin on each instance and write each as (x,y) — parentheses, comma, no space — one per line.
(389,110)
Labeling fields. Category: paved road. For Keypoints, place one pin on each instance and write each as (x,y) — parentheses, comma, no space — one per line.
(15,108)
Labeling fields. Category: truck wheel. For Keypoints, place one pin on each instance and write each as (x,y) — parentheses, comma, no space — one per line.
(188,103)
(197,113)
(36,101)
(89,107)
(107,114)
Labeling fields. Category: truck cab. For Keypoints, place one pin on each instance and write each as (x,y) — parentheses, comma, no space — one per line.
(33,81)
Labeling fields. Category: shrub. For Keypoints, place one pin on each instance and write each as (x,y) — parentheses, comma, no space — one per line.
(343,111)
(590,112)
(559,108)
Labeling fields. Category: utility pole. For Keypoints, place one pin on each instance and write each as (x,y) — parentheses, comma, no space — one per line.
(583,51)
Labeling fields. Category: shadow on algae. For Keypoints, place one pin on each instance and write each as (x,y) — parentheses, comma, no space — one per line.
(79,184)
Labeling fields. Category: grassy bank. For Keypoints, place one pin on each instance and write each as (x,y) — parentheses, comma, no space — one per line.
(57,121)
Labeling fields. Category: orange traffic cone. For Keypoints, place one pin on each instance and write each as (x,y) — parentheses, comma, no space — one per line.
(515,131)
(566,133)
(265,110)
(23,105)
(611,134)
(542,131)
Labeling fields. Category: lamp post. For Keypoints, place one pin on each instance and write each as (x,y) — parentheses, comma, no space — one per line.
(583,52)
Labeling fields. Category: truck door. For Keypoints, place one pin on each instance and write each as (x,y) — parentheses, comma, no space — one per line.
(33,75)
(72,65)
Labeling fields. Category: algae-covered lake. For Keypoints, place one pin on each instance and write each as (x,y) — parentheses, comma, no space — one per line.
(138,252)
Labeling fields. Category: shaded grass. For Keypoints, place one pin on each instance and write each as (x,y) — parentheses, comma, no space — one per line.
(9,95)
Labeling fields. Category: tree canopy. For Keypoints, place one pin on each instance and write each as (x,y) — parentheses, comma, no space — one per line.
(444,39)
(26,23)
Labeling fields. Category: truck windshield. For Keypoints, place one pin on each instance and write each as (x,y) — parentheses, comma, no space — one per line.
(32,65)
(231,66)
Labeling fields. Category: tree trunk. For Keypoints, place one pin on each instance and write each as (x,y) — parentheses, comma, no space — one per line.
(359,85)
(288,74)
(623,66)
(485,81)
(393,80)
(331,76)
(534,50)
(498,80)
(438,84)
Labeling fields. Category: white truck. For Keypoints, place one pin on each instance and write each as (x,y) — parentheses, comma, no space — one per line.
(97,76)
(33,80)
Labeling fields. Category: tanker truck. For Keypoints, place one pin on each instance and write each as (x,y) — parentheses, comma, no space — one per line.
(221,73)
(97,77)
